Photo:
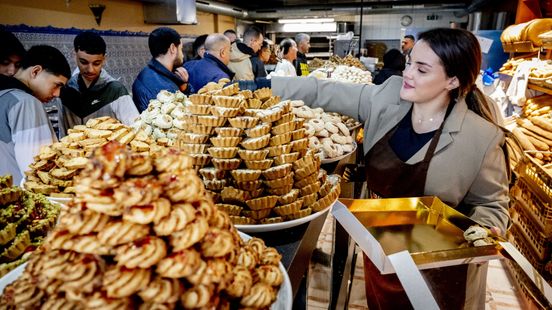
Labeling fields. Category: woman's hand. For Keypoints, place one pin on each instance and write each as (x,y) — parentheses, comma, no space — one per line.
(496,231)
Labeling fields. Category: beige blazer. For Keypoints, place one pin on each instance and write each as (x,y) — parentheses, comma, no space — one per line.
(468,166)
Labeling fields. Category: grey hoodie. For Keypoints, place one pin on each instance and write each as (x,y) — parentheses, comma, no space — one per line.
(106,97)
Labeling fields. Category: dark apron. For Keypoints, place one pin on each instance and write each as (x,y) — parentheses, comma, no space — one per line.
(387,176)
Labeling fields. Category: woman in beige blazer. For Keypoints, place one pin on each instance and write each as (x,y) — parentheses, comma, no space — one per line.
(430,132)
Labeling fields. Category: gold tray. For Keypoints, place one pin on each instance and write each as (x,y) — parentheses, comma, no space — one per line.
(427,228)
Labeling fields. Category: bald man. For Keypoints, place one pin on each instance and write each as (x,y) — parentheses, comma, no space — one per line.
(213,66)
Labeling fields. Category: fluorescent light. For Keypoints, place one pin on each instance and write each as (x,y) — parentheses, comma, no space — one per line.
(319,27)
(305,20)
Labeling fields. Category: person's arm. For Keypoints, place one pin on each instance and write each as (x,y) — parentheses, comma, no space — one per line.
(488,196)
(140,96)
(125,110)
(350,99)
(30,130)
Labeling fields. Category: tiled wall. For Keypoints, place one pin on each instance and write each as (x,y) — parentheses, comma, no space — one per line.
(388,26)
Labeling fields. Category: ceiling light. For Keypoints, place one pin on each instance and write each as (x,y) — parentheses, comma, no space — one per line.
(311,27)
(305,20)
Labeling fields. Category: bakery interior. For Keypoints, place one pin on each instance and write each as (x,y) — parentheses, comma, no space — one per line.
(209,233)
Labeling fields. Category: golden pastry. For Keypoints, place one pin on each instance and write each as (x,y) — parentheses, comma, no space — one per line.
(179,264)
(217,243)
(180,215)
(123,282)
(241,282)
(248,257)
(189,235)
(270,275)
(83,274)
(183,187)
(83,221)
(120,231)
(142,253)
(149,213)
(100,300)
(162,290)
(260,296)
(197,296)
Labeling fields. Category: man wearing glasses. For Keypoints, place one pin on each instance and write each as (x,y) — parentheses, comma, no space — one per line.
(244,60)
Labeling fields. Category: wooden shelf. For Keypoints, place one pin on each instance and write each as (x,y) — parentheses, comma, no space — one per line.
(507,78)
(540,88)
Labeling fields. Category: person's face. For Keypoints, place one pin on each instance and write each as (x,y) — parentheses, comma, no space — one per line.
(90,66)
(256,44)
(407,44)
(176,50)
(424,78)
(201,51)
(232,37)
(45,85)
(304,46)
(264,54)
(292,53)
(9,66)
(225,53)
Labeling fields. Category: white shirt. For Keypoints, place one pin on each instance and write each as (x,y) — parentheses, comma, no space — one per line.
(285,68)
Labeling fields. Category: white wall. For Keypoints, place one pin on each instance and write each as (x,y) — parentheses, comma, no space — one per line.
(388,26)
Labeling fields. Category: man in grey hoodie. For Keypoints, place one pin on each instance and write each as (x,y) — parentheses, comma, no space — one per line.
(24,125)
(92,92)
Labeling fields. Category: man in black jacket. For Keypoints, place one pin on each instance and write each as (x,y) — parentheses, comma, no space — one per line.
(303,45)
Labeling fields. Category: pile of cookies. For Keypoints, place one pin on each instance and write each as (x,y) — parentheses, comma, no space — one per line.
(247,147)
(351,74)
(328,135)
(345,119)
(162,120)
(25,220)
(142,234)
(56,165)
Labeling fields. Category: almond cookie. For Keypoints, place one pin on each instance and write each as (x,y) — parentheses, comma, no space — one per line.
(150,213)
(241,283)
(119,231)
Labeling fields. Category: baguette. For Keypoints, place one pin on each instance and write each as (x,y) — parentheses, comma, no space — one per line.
(523,140)
(539,131)
(539,145)
(534,135)
(542,123)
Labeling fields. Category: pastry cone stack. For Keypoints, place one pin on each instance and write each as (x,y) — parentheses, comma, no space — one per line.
(148,238)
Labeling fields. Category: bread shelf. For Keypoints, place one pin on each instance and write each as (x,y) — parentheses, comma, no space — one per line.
(545,90)
(540,88)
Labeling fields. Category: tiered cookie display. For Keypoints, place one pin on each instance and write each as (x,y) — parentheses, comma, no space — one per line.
(327,134)
(25,219)
(163,119)
(56,165)
(244,145)
(142,234)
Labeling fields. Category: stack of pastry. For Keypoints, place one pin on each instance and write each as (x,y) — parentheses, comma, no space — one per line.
(25,219)
(244,145)
(56,165)
(143,234)
(162,120)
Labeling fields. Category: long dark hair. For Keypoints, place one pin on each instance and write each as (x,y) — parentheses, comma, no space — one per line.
(460,55)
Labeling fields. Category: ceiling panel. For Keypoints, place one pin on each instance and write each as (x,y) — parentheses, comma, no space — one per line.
(271,4)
